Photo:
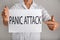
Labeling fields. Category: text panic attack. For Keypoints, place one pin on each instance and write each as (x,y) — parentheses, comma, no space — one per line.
(24,20)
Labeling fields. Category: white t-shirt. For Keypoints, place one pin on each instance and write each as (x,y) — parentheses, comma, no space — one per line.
(29,36)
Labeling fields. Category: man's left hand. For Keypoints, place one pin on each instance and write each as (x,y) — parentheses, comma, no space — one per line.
(52,24)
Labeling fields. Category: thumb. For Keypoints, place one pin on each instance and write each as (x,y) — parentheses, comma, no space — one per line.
(52,18)
(6,6)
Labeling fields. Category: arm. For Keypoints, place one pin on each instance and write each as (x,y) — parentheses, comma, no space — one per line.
(50,21)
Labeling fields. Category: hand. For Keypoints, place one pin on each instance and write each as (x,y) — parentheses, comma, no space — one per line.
(52,24)
(5,15)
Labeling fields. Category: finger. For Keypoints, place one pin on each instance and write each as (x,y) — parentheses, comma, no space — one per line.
(52,18)
(49,22)
(6,13)
(53,26)
(50,27)
(5,9)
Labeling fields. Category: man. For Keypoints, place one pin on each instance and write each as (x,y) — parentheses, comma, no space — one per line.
(29,4)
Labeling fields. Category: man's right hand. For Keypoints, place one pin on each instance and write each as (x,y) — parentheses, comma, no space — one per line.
(5,15)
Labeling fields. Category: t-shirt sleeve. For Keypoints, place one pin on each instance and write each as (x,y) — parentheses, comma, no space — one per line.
(16,6)
(45,15)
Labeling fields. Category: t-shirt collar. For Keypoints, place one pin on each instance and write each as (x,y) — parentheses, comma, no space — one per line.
(26,7)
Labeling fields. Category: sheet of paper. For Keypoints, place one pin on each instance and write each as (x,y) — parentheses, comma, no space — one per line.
(25,20)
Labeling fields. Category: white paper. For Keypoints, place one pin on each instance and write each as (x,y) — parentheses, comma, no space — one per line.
(14,28)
